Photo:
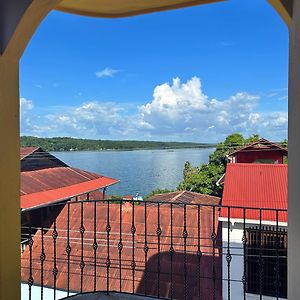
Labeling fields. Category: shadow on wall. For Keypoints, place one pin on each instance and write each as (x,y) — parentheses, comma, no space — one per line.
(196,281)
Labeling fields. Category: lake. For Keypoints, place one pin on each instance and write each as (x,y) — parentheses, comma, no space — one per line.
(139,170)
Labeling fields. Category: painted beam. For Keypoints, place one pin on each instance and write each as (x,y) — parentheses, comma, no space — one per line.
(284,8)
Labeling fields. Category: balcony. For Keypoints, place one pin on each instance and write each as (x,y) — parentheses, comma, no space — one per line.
(165,250)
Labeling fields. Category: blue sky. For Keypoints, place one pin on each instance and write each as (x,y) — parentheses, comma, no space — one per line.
(194,74)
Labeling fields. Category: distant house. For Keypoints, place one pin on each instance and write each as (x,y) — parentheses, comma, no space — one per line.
(261,151)
(47,180)
(255,240)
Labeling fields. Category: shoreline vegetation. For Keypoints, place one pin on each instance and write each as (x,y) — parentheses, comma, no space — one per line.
(74,144)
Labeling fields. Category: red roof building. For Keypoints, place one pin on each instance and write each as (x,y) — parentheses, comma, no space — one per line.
(95,274)
(261,151)
(46,179)
(255,186)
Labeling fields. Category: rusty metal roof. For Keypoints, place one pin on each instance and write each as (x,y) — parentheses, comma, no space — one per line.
(33,200)
(53,178)
(25,151)
(186,197)
(142,280)
(45,179)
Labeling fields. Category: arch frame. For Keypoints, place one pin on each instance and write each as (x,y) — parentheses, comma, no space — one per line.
(19,20)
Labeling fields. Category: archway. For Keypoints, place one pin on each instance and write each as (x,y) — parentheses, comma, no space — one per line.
(19,19)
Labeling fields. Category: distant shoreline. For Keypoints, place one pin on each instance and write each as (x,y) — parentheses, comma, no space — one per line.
(133,149)
(62,144)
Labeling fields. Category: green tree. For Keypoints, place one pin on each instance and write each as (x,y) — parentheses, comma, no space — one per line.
(158,191)
(203,179)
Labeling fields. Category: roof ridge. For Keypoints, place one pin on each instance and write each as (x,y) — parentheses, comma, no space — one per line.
(177,196)
(257,165)
(257,142)
(33,149)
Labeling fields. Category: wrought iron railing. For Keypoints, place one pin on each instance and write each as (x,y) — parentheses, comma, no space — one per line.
(160,249)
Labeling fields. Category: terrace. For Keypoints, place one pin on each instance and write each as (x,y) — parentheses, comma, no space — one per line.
(138,258)
(165,250)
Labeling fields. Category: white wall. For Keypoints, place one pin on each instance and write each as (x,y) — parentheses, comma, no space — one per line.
(237,263)
(36,293)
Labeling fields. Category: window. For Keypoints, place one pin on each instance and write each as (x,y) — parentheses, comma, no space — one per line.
(263,257)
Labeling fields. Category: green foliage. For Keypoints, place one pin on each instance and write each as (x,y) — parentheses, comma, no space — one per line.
(72,144)
(203,179)
(284,143)
(158,191)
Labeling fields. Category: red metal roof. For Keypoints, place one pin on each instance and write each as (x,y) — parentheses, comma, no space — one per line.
(185,197)
(45,179)
(255,186)
(53,178)
(140,278)
(58,194)
(261,144)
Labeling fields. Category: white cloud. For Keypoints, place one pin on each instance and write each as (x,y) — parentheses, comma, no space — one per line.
(107,72)
(25,105)
(178,106)
(177,111)
(283,98)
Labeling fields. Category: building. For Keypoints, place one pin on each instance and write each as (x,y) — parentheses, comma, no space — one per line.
(47,180)
(164,250)
(261,151)
(254,230)
(185,197)
(20,20)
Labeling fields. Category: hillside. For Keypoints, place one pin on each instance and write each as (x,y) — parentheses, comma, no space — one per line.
(73,144)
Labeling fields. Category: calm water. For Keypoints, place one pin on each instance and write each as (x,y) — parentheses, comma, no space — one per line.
(138,171)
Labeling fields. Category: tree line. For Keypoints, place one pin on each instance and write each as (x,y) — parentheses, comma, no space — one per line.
(74,144)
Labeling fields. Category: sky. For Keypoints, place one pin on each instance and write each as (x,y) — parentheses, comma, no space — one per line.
(195,74)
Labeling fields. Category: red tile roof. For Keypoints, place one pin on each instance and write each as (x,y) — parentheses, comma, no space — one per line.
(185,197)
(150,279)
(256,186)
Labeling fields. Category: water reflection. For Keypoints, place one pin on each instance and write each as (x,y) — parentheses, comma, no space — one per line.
(140,170)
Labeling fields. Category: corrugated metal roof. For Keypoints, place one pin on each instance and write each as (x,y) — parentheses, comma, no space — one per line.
(53,178)
(206,261)
(257,186)
(261,144)
(25,151)
(33,200)
(46,179)
(185,197)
